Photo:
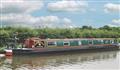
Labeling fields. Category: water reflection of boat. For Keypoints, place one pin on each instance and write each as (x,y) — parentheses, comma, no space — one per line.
(58,60)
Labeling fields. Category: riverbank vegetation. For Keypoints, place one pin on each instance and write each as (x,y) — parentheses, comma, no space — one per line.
(21,34)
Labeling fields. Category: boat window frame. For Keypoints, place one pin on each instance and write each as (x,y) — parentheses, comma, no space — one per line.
(55,44)
(66,42)
(90,42)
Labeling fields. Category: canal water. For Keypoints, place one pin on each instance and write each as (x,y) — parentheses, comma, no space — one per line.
(66,61)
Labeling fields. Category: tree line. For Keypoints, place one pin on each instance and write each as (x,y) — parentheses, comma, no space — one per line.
(10,33)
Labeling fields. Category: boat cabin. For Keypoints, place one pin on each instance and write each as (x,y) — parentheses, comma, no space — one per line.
(37,42)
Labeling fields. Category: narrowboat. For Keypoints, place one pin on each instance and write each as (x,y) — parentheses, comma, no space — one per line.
(39,46)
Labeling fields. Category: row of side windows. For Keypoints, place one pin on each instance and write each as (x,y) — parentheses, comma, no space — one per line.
(80,42)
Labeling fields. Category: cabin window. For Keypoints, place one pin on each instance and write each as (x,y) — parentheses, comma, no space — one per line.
(66,43)
(90,41)
(51,43)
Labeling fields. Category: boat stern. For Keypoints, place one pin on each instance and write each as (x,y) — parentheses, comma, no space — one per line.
(8,52)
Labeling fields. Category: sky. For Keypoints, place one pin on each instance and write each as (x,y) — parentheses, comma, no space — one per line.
(59,13)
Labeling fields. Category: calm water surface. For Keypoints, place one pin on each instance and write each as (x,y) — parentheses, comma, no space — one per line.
(68,61)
